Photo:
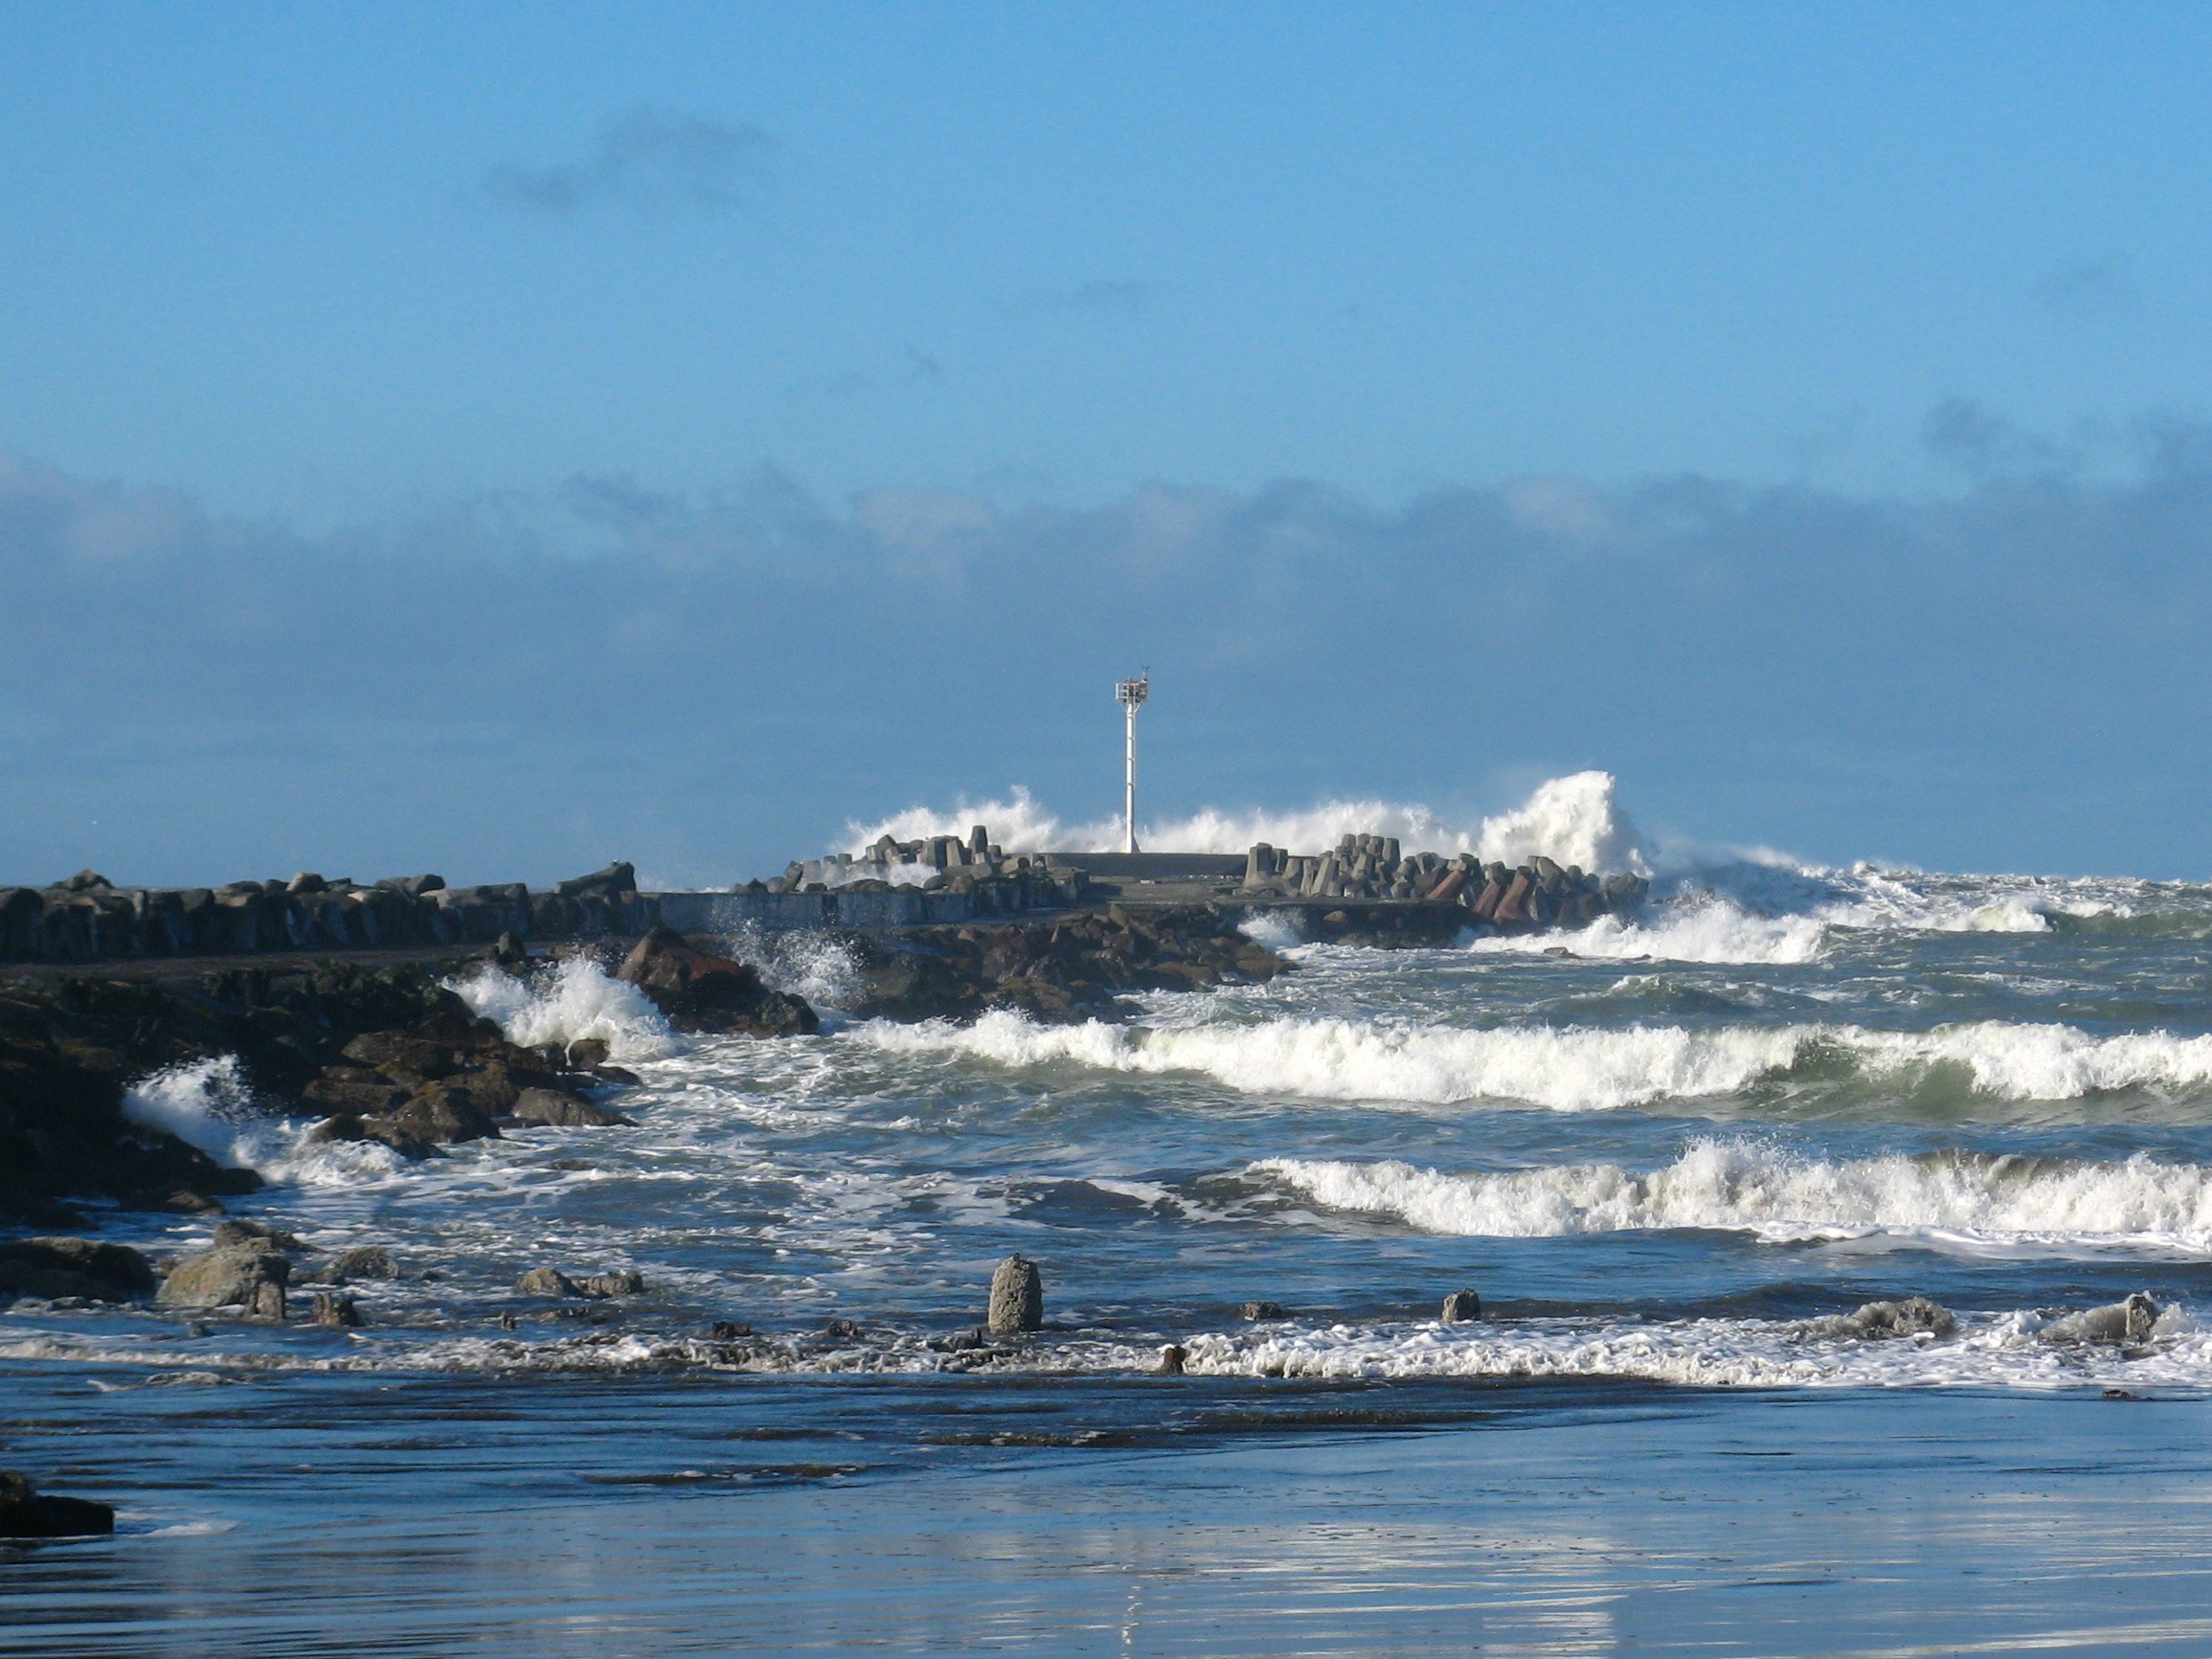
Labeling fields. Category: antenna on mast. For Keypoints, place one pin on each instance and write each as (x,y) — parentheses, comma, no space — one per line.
(1131,696)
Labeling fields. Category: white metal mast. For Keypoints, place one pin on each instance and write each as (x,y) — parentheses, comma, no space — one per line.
(1132,695)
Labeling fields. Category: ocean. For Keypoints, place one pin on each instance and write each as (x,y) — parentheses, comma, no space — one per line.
(1673,1158)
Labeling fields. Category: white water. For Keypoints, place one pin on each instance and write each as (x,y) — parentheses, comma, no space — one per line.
(1570,1069)
(1746,1186)
(578,999)
(1573,819)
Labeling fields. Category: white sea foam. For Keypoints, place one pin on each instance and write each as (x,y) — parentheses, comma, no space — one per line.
(1703,930)
(1745,1186)
(209,1105)
(1276,929)
(205,1103)
(578,999)
(1575,1069)
(1358,1060)
(1573,819)
(814,964)
(2024,1348)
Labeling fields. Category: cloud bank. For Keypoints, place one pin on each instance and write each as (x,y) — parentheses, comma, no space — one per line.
(709,682)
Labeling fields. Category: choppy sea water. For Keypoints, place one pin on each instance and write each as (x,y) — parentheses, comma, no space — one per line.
(1667,1159)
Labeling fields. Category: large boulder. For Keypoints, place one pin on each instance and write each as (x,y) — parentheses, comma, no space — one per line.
(2119,1322)
(53,1267)
(560,1109)
(1017,1297)
(27,1513)
(703,992)
(238,1276)
(618,877)
(444,1114)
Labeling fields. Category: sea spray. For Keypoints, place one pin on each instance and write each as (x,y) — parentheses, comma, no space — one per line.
(206,1104)
(576,999)
(1574,818)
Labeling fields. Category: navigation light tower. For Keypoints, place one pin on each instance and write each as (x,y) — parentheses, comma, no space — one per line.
(1131,695)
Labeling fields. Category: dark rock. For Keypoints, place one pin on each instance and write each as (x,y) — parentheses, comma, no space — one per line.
(1462,1305)
(363,1261)
(353,1089)
(241,1276)
(386,1131)
(701,992)
(547,1282)
(586,1053)
(233,1233)
(413,886)
(1172,1358)
(403,1053)
(623,1283)
(27,1513)
(561,1109)
(730,1329)
(328,1308)
(1264,1311)
(618,877)
(53,1268)
(1017,1297)
(444,1113)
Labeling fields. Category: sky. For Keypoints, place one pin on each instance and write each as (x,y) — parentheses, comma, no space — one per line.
(502,439)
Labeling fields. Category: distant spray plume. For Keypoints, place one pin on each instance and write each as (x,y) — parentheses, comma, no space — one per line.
(1573,819)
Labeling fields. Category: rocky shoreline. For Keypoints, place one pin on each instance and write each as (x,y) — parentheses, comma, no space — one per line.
(390,1055)
(89,918)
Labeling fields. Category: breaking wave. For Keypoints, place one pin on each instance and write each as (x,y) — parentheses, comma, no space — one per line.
(1747,1187)
(205,1103)
(1712,904)
(1576,1068)
(1573,819)
(576,999)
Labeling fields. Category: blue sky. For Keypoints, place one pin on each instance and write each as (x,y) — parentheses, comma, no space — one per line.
(509,436)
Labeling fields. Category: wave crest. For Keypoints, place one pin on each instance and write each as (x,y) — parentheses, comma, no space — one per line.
(1575,1069)
(1747,1187)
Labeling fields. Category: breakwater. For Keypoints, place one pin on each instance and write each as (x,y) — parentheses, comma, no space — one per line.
(89,918)
(1540,893)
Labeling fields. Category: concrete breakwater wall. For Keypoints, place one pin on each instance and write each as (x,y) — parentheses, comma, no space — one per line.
(973,866)
(844,907)
(89,918)
(1538,894)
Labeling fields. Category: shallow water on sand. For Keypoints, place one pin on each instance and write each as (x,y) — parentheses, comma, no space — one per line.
(1667,1161)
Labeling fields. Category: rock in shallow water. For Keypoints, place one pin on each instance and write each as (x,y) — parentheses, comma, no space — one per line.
(546,1282)
(331,1309)
(1017,1297)
(27,1513)
(363,1261)
(558,1108)
(622,1282)
(1910,1317)
(53,1267)
(2129,1321)
(238,1276)
(1462,1305)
